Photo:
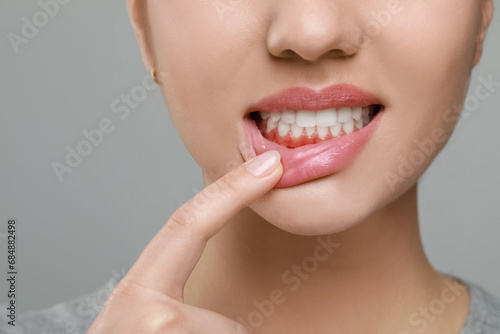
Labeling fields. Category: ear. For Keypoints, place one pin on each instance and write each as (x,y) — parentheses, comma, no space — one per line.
(138,17)
(487,15)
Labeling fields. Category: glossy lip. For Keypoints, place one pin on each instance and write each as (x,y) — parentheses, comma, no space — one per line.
(309,162)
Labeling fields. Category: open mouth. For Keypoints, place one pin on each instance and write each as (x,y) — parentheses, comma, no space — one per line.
(294,129)
(316,132)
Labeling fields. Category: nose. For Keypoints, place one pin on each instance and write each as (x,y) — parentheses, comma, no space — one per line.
(312,29)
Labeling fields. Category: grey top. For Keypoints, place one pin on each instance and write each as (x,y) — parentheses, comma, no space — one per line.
(76,316)
(484,312)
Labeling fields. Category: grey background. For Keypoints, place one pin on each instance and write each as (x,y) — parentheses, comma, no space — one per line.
(75,235)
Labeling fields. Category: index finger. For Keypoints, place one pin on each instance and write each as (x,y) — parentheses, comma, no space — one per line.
(168,260)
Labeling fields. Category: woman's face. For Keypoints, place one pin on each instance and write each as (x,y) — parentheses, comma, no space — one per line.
(403,64)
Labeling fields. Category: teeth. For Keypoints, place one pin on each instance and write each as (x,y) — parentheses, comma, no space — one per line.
(335,130)
(275,116)
(356,113)
(322,131)
(365,113)
(344,115)
(326,117)
(359,124)
(296,130)
(288,116)
(323,121)
(271,124)
(306,118)
(349,126)
(310,130)
(283,128)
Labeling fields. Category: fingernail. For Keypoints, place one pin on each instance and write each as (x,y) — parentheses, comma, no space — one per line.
(264,164)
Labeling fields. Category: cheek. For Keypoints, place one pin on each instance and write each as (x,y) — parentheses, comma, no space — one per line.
(425,55)
(423,61)
(205,60)
(424,58)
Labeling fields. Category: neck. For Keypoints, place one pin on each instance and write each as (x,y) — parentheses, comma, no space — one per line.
(271,280)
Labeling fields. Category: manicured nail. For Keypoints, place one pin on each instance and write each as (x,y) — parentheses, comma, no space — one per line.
(264,164)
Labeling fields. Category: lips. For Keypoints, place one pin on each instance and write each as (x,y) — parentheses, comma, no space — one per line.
(309,155)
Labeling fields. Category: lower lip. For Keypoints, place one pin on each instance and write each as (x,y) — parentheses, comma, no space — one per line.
(309,162)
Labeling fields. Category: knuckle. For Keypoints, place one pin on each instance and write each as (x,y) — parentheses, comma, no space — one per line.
(228,184)
(182,221)
(158,316)
(161,319)
(139,310)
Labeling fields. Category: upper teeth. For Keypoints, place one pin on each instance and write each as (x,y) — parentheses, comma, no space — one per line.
(297,121)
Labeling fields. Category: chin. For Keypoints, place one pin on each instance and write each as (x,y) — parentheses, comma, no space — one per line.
(318,207)
(337,202)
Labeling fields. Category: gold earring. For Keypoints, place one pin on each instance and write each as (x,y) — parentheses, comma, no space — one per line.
(153,74)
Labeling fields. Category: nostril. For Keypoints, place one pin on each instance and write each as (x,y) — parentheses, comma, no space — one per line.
(311,31)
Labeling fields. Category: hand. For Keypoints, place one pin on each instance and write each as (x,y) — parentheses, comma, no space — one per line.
(149,299)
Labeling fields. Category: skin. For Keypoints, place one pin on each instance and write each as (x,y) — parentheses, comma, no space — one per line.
(212,65)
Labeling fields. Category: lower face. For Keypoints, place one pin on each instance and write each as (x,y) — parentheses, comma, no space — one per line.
(358,96)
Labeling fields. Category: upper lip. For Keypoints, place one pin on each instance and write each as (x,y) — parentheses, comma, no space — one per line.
(304,98)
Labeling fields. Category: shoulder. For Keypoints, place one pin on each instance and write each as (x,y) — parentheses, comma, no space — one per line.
(484,311)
